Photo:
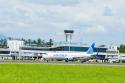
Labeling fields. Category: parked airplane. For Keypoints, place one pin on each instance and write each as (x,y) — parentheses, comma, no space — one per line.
(67,56)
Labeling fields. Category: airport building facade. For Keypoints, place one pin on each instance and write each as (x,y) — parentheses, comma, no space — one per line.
(17,50)
(99,52)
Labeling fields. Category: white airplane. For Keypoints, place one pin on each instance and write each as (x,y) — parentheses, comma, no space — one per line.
(68,56)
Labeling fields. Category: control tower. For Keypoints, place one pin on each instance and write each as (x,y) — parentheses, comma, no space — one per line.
(68,35)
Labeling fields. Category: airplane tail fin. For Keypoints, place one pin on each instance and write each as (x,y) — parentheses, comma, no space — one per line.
(91,49)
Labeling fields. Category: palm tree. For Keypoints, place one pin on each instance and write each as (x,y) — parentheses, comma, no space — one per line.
(50,42)
(34,42)
(29,41)
(39,42)
(122,48)
(3,43)
(43,44)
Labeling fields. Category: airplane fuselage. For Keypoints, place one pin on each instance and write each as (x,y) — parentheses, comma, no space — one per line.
(65,55)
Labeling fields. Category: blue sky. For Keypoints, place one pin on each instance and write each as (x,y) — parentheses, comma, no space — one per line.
(93,20)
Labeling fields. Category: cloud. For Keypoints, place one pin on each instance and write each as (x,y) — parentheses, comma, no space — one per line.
(48,18)
(108,12)
(96,29)
(55,2)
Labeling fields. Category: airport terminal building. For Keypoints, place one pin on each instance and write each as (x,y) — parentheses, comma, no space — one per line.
(100,52)
(17,50)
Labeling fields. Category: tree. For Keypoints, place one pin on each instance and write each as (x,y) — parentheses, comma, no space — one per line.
(121,48)
(34,42)
(43,44)
(49,43)
(3,43)
(25,41)
(29,41)
(39,42)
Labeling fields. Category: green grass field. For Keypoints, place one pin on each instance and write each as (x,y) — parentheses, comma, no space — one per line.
(39,73)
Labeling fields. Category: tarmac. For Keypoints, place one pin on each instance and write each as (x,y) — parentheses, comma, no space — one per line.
(67,63)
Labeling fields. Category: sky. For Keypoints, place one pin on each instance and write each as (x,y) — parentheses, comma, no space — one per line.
(101,21)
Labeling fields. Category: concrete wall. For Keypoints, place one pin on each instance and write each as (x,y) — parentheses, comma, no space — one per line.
(14,45)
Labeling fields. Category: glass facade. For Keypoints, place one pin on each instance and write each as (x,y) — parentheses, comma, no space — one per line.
(67,48)
(4,52)
(64,48)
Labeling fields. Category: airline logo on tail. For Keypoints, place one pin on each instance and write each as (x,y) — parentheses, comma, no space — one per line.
(91,49)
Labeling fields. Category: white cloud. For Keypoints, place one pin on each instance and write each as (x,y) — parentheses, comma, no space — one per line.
(96,29)
(38,18)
